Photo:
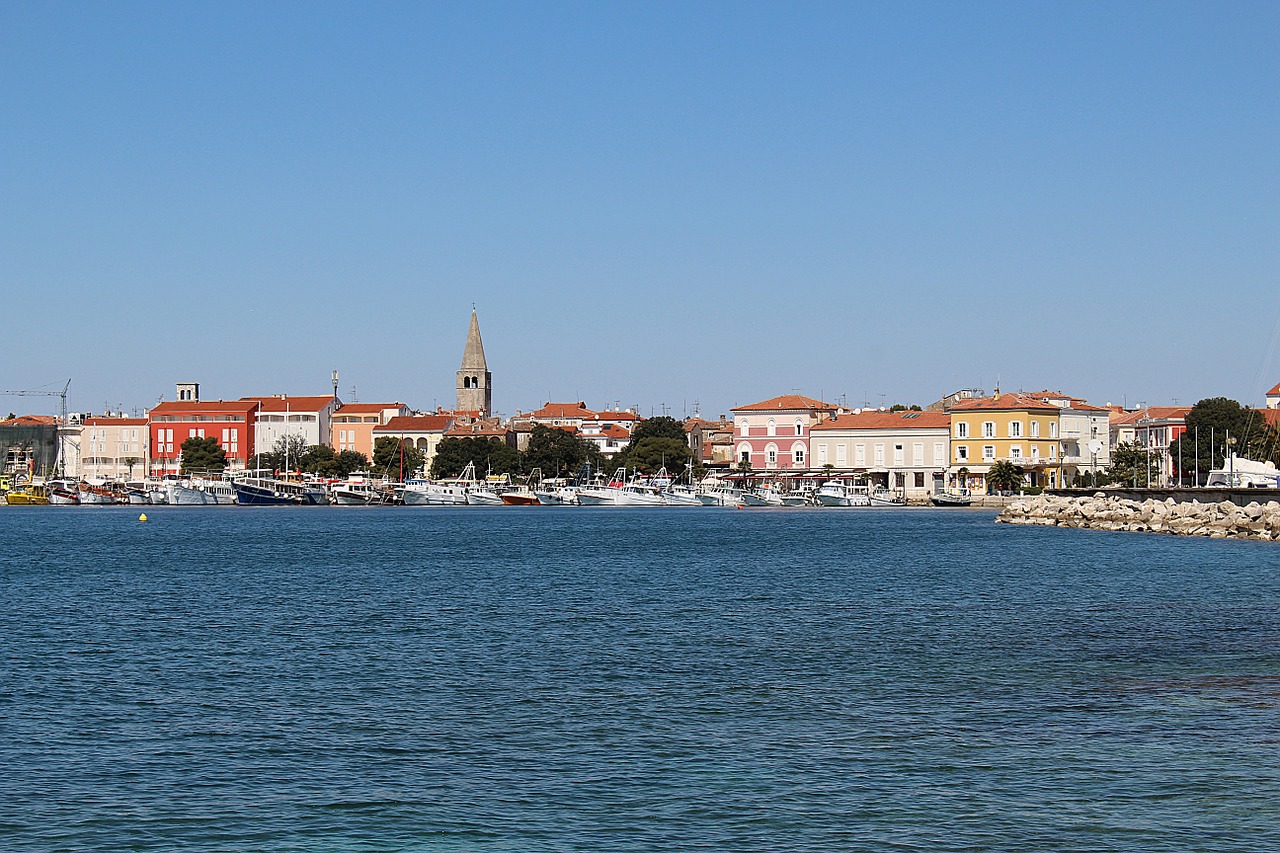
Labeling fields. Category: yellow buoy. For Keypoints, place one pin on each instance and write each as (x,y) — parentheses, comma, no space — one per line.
(142,517)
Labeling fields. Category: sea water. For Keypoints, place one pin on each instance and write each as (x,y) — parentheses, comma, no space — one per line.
(562,679)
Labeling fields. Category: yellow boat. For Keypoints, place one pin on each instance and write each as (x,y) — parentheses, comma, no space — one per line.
(32,495)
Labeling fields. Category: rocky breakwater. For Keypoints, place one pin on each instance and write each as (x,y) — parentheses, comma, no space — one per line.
(1217,519)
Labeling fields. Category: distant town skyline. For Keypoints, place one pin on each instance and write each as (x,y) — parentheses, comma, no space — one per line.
(655,205)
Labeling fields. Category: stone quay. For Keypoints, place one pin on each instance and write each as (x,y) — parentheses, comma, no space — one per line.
(1100,511)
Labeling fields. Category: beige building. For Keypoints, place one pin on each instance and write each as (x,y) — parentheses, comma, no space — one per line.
(423,432)
(903,451)
(353,425)
(112,448)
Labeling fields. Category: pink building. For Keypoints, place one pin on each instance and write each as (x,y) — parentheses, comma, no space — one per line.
(774,433)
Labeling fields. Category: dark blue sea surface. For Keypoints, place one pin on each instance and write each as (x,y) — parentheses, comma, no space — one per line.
(547,679)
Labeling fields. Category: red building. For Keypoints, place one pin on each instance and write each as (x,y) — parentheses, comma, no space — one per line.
(231,422)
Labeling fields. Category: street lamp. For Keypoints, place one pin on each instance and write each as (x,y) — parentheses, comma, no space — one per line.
(1231,460)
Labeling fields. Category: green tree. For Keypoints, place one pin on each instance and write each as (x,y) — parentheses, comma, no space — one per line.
(1134,465)
(558,452)
(1004,476)
(1209,425)
(395,457)
(487,454)
(656,442)
(203,456)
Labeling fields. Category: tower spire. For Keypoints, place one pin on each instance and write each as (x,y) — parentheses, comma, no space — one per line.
(474,378)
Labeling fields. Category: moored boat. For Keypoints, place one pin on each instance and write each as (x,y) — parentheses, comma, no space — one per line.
(840,493)
(961,497)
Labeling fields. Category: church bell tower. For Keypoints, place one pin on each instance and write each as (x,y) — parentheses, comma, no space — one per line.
(475,392)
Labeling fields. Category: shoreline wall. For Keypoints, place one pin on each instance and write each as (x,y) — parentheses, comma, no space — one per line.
(1215,519)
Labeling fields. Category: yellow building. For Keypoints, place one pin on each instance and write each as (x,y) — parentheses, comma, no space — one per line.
(1007,427)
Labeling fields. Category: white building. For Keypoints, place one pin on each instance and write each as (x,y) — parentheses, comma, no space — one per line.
(307,417)
(1084,433)
(904,451)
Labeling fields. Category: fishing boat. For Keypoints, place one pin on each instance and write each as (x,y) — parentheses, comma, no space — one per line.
(91,495)
(842,493)
(273,491)
(880,496)
(620,492)
(450,492)
(676,493)
(489,491)
(357,490)
(63,493)
(32,494)
(720,494)
(557,491)
(960,497)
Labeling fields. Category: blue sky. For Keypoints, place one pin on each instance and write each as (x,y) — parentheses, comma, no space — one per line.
(648,203)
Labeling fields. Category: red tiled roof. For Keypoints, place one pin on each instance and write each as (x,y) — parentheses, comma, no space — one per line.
(787,402)
(1155,413)
(197,406)
(1005,402)
(1271,416)
(29,420)
(292,404)
(551,411)
(416,423)
(610,431)
(1274,391)
(366,408)
(887,420)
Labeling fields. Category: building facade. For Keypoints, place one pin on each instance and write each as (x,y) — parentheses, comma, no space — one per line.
(1010,427)
(903,451)
(112,448)
(774,434)
(308,418)
(423,432)
(231,422)
(353,425)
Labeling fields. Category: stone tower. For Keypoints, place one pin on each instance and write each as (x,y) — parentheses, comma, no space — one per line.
(475,391)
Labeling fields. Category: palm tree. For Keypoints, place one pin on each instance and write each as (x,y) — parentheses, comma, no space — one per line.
(1004,476)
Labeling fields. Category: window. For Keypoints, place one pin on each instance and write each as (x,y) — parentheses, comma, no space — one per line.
(797,453)
(799,427)
(879,454)
(962,430)
(988,429)
(988,452)
(744,456)
(1015,429)
(1053,429)
(1053,451)
(1015,451)
(822,454)
(860,455)
(917,453)
(898,453)
(1035,429)
(919,480)
(742,427)
(841,454)
(771,455)
(1035,451)
(773,427)
(939,453)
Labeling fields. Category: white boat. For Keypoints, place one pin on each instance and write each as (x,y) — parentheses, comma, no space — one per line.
(450,492)
(720,495)
(180,494)
(675,493)
(488,492)
(620,492)
(842,494)
(357,490)
(960,497)
(95,495)
(880,496)
(1240,473)
(558,491)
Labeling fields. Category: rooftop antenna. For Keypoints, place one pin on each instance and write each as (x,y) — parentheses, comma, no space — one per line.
(334,377)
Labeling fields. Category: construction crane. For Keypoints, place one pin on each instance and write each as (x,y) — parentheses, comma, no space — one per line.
(37,393)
